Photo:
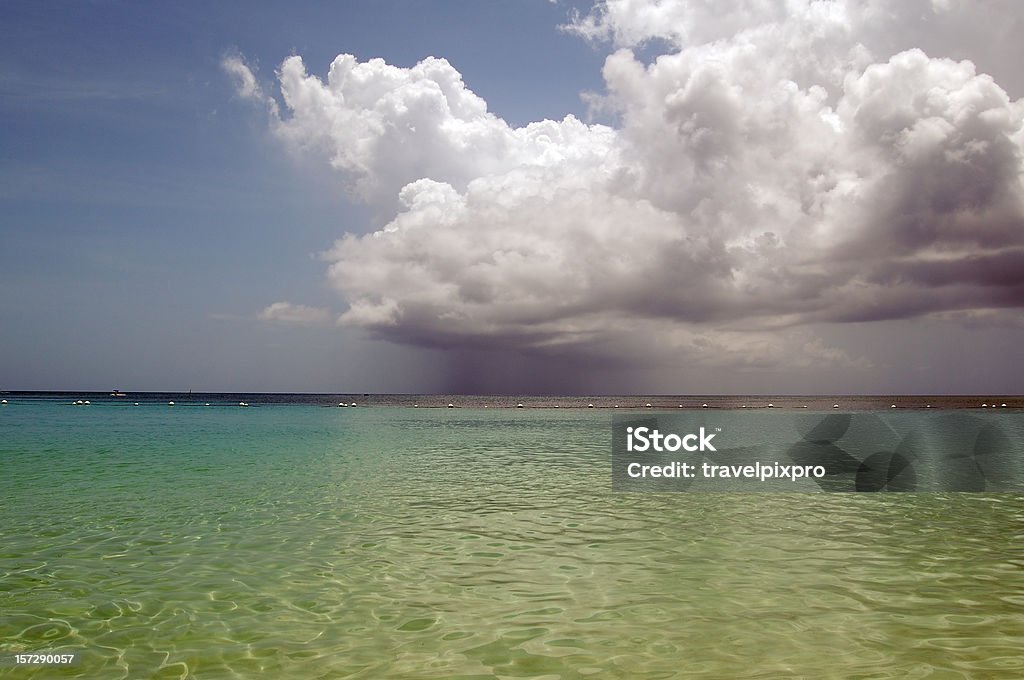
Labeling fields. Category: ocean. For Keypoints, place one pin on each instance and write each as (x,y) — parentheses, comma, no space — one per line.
(404,539)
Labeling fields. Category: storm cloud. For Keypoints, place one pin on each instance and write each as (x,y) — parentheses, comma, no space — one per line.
(772,166)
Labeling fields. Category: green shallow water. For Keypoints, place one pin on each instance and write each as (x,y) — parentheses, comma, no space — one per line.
(304,542)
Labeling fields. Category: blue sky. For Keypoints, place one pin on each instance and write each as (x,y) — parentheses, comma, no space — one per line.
(824,198)
(148,216)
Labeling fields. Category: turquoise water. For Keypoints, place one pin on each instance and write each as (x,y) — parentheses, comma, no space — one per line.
(307,542)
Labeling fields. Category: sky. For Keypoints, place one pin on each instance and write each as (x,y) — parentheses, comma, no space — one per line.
(647,196)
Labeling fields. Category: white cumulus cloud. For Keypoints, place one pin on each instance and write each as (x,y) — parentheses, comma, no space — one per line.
(779,164)
(288,313)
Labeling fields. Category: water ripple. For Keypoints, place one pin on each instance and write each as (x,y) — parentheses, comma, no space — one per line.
(366,546)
